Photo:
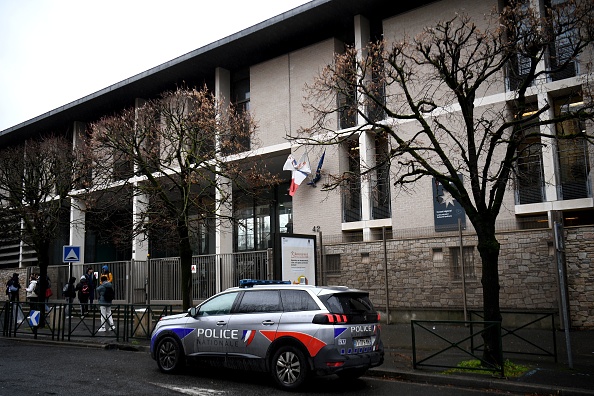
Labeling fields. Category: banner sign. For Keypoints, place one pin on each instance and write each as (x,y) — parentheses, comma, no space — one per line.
(446,210)
(298,256)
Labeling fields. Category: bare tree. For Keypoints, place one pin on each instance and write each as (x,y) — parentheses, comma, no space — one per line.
(36,180)
(174,155)
(421,94)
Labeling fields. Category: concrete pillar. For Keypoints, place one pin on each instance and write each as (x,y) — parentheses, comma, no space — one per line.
(77,226)
(77,206)
(549,153)
(366,139)
(224,189)
(140,241)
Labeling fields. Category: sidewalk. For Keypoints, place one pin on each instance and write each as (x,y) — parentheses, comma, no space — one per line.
(545,377)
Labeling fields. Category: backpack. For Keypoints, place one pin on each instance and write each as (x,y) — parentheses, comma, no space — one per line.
(85,289)
(109,294)
(12,287)
(36,288)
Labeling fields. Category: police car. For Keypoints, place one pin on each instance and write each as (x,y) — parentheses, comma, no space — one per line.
(291,331)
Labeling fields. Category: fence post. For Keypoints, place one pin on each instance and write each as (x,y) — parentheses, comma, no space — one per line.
(147,282)
(386,275)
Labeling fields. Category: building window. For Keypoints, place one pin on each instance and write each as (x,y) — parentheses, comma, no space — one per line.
(240,98)
(332,264)
(572,153)
(252,227)
(437,255)
(521,63)
(351,189)
(562,49)
(529,169)
(456,266)
(380,189)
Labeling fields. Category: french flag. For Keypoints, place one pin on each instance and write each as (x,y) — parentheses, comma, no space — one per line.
(300,169)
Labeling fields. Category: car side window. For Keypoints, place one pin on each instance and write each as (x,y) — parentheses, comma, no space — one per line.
(297,300)
(260,301)
(220,305)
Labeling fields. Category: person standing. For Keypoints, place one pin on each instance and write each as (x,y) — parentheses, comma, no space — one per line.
(32,296)
(92,283)
(13,287)
(105,298)
(84,291)
(68,293)
(105,271)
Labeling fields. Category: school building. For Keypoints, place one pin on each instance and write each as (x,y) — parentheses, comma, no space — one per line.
(374,237)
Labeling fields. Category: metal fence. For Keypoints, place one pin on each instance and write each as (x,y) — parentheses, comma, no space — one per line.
(61,321)
(159,280)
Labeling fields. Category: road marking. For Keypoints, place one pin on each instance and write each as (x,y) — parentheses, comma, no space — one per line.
(191,391)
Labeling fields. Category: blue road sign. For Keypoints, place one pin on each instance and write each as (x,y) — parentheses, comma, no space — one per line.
(71,254)
(34,318)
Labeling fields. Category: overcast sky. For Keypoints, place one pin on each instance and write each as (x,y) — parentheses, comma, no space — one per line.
(53,52)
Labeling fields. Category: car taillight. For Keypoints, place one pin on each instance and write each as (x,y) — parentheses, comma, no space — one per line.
(330,319)
(334,364)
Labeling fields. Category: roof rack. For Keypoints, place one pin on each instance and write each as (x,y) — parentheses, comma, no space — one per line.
(254,282)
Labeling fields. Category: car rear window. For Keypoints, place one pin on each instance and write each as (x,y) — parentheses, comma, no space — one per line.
(349,303)
(297,300)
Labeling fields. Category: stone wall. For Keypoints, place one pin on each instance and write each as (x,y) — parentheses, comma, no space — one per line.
(421,282)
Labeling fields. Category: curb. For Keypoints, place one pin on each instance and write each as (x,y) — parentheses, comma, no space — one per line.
(476,383)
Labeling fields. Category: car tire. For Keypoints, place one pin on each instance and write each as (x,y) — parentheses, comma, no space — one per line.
(170,355)
(289,368)
(352,373)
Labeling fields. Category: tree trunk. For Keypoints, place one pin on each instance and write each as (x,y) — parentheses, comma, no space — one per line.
(488,248)
(185,256)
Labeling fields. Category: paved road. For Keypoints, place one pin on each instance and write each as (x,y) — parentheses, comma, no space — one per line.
(38,369)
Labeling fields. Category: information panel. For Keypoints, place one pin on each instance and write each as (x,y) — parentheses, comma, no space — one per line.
(298,255)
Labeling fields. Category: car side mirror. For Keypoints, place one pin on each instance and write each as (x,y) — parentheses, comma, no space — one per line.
(193,312)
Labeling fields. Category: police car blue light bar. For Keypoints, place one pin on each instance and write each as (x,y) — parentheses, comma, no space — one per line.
(254,282)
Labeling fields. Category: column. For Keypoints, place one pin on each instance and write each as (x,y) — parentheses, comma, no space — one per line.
(366,139)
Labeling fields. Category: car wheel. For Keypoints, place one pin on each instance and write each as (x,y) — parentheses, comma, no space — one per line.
(170,355)
(353,373)
(289,367)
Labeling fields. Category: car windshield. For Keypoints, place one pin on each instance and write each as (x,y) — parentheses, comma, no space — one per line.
(219,305)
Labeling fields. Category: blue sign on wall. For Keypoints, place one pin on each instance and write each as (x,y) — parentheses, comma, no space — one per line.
(446,209)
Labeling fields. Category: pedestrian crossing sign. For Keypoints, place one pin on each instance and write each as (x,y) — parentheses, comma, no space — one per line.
(71,254)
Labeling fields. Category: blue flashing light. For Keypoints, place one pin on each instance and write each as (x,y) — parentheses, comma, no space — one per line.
(254,282)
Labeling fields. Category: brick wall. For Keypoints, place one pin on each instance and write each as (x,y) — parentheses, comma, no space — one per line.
(420,274)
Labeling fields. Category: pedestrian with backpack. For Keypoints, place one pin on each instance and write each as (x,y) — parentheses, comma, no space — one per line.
(92,282)
(84,291)
(68,293)
(106,295)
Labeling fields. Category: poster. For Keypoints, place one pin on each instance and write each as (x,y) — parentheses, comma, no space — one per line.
(298,255)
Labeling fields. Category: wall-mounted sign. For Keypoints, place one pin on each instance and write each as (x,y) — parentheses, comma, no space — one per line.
(298,256)
(446,210)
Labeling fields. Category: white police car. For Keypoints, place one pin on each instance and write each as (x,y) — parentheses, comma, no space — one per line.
(287,330)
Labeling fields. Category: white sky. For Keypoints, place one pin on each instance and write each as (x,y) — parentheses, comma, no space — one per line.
(53,52)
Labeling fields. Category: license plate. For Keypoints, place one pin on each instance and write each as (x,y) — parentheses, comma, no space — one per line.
(362,342)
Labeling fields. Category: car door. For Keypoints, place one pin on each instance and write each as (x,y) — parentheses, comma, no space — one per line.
(211,332)
(255,319)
